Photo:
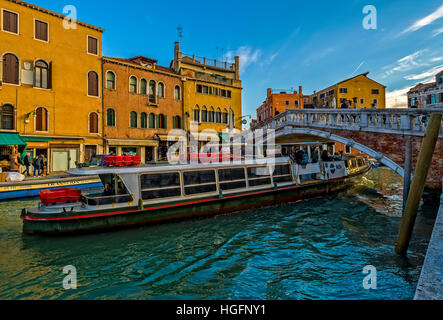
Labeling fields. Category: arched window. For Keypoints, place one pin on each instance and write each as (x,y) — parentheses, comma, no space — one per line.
(152,91)
(161,90)
(133,84)
(211,115)
(197,114)
(41,75)
(93,122)
(7,117)
(204,114)
(41,119)
(218,116)
(93,84)
(177,93)
(110,118)
(152,121)
(133,120)
(10,69)
(110,80)
(144,120)
(225,116)
(143,86)
(162,121)
(177,122)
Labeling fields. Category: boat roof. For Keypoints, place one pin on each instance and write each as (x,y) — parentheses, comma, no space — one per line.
(161,168)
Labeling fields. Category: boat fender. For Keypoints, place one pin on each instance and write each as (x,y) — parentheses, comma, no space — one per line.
(220,194)
(141,207)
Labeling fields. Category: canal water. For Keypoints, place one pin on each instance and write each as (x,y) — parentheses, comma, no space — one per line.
(314,249)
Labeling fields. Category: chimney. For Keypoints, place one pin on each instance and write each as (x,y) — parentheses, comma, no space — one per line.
(176,56)
(300,90)
(269,92)
(237,68)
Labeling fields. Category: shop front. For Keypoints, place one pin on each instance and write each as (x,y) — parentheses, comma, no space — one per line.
(11,146)
(146,149)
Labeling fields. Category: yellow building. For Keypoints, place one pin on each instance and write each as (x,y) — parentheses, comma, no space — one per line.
(50,92)
(359,92)
(212,92)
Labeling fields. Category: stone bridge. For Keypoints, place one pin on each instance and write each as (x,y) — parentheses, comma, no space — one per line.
(380,133)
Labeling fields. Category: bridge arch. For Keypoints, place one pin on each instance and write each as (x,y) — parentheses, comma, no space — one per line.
(288,130)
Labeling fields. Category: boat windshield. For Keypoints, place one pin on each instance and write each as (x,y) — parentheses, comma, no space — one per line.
(114,191)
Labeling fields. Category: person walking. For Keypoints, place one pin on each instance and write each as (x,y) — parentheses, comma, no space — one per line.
(27,164)
(38,164)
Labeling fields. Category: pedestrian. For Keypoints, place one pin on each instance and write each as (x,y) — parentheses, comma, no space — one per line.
(27,164)
(344,105)
(325,156)
(38,164)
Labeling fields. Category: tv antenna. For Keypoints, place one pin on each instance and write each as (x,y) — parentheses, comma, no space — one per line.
(180,34)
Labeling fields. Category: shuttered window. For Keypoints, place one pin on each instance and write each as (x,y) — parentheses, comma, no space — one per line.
(41,30)
(92,45)
(10,69)
(10,21)
(41,120)
(93,84)
(93,123)
(7,117)
(133,120)
(110,118)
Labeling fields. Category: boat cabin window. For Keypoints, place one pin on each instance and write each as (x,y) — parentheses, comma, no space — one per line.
(196,182)
(114,191)
(282,173)
(160,185)
(231,179)
(259,176)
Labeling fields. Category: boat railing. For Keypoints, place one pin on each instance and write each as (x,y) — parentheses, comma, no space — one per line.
(100,199)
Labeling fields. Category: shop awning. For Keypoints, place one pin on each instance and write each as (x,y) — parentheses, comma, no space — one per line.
(11,139)
(36,139)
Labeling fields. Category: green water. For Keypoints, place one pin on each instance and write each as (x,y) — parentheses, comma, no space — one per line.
(314,249)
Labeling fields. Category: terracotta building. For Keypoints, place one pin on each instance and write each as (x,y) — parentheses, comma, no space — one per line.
(212,92)
(50,84)
(428,94)
(142,103)
(277,101)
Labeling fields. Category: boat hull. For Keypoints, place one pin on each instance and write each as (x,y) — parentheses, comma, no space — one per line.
(32,190)
(207,206)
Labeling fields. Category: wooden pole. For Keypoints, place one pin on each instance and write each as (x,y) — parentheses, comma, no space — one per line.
(408,171)
(418,183)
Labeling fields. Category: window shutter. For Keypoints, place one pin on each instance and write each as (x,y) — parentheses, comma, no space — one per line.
(166,122)
(6,20)
(157,121)
(174,123)
(50,76)
(182,119)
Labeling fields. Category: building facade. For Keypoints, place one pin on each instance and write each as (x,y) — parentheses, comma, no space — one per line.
(143,102)
(50,91)
(426,95)
(359,91)
(212,92)
(277,101)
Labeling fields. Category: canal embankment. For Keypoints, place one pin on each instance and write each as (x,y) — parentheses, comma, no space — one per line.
(430,284)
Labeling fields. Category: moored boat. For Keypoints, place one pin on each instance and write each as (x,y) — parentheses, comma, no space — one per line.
(150,194)
(31,188)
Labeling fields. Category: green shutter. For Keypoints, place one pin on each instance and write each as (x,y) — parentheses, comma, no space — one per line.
(166,122)
(182,122)
(157,121)
(173,122)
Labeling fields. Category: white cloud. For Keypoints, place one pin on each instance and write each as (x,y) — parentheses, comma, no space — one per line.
(404,64)
(248,56)
(437,32)
(426,74)
(397,98)
(437,14)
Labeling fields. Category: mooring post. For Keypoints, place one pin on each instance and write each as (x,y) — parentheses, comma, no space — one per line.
(408,171)
(418,183)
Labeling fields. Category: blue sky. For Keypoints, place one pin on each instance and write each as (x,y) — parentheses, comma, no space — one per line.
(282,44)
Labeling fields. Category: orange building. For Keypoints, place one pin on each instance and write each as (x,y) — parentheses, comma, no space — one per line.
(277,101)
(142,103)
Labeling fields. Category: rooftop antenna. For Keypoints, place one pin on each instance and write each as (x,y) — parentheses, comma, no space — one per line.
(216,56)
(180,34)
